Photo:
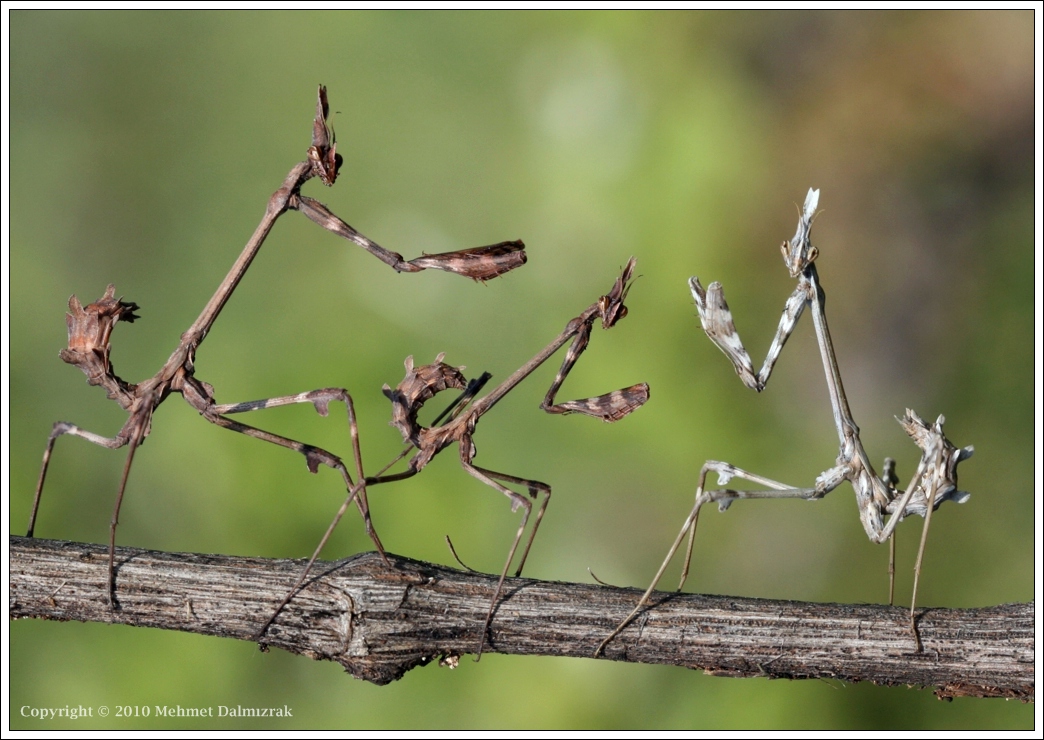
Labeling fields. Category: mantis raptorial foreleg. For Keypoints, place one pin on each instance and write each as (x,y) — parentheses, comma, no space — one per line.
(608,407)
(717,322)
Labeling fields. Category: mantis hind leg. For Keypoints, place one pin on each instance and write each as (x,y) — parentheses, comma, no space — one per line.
(490,478)
(60,428)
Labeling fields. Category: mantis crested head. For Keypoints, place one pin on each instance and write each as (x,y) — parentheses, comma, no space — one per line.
(798,252)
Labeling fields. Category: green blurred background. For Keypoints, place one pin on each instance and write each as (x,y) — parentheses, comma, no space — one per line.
(145,144)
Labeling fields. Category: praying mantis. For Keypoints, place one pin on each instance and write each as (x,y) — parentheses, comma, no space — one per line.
(90,328)
(933,482)
(422,383)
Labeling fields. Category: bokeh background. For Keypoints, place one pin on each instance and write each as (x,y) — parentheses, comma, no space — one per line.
(143,146)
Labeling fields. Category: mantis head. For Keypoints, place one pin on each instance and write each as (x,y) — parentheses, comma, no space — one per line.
(611,307)
(323,151)
(798,253)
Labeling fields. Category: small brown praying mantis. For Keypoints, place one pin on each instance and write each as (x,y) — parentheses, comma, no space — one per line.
(422,383)
(934,481)
(90,328)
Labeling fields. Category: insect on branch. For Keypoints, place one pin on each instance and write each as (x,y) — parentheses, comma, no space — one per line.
(422,383)
(91,326)
(934,481)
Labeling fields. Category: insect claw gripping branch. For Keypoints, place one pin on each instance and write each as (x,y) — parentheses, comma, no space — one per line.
(934,481)
(90,328)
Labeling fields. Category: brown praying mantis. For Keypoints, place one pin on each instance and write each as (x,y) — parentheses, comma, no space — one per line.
(422,383)
(90,328)
(934,481)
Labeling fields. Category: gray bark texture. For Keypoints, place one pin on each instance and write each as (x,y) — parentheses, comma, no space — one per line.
(380,621)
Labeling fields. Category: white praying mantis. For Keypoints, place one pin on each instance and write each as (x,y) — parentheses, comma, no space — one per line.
(934,481)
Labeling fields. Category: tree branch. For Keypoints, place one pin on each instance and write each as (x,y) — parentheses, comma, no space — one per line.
(379,622)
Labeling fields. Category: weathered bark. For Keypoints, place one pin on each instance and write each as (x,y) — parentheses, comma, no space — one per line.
(380,621)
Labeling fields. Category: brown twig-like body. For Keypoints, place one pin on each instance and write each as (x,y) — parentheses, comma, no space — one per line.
(934,481)
(422,383)
(90,328)
(379,621)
